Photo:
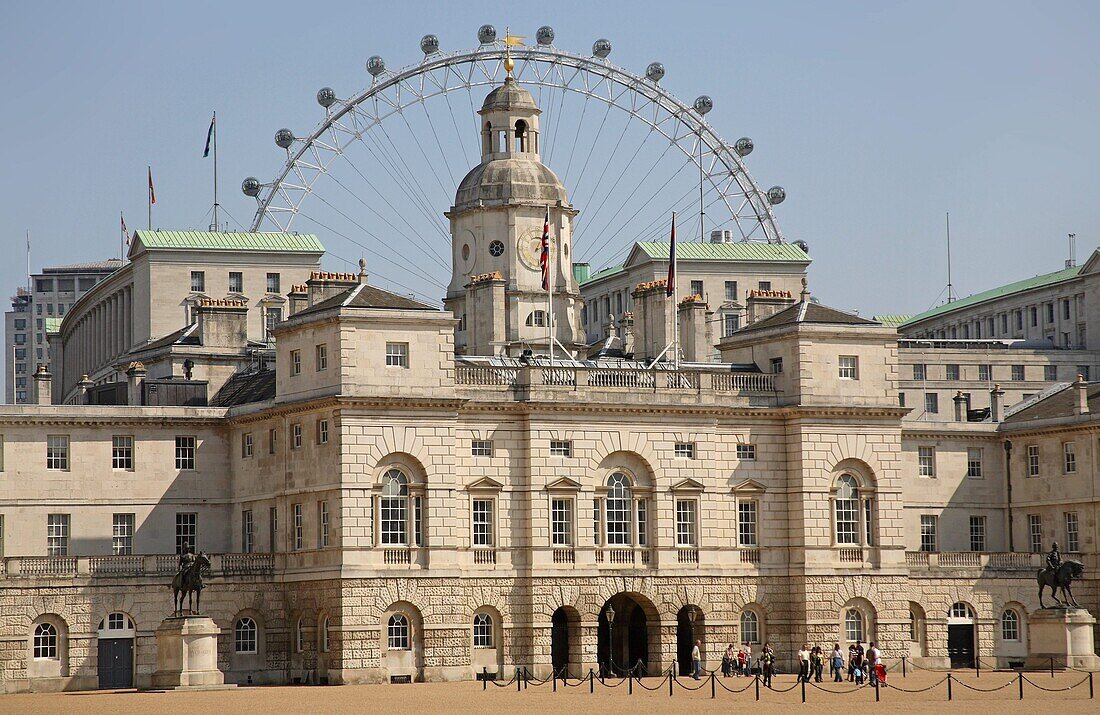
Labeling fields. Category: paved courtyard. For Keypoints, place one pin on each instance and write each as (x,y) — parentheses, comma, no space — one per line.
(468,697)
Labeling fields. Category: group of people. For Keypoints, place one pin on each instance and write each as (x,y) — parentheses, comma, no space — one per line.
(864,665)
(737,663)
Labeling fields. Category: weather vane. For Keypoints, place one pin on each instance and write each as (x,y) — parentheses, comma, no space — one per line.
(510,41)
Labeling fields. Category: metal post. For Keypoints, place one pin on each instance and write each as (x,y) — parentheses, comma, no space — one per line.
(630,685)
(1090,685)
(803,681)
(1020,677)
(591,681)
(1052,667)
(712,686)
(555,682)
(519,681)
(949,686)
(876,691)
(757,685)
(903,666)
(978,666)
(671,677)
(484,678)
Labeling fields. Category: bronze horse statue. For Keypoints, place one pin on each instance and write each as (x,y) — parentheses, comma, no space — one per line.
(188,582)
(1061,578)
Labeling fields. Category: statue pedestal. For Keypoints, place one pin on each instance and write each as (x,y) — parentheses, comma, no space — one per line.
(1064,634)
(187,653)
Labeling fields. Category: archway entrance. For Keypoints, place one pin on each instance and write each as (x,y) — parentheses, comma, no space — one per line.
(115,651)
(960,636)
(565,641)
(689,628)
(623,635)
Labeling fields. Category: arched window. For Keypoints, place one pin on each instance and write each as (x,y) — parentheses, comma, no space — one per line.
(299,635)
(324,635)
(619,502)
(853,625)
(45,642)
(750,627)
(395,509)
(847,510)
(245,636)
(487,138)
(537,319)
(398,632)
(1010,625)
(960,610)
(116,621)
(521,135)
(912,626)
(483,630)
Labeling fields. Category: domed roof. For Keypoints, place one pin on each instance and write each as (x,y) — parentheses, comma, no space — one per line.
(509,96)
(501,180)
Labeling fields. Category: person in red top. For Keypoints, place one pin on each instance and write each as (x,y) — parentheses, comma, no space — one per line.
(741,657)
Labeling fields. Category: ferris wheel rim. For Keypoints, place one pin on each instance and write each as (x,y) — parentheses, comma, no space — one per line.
(652,92)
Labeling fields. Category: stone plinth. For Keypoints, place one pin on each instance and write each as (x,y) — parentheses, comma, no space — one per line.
(187,653)
(1064,634)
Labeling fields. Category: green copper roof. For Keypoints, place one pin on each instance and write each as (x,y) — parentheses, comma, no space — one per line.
(1018,287)
(603,273)
(741,251)
(53,325)
(231,241)
(892,320)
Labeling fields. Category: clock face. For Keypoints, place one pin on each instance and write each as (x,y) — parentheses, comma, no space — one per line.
(529,247)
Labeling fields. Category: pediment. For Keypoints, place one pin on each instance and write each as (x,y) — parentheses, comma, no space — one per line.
(688,485)
(749,486)
(564,484)
(485,484)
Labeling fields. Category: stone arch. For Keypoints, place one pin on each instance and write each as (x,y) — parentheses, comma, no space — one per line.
(480,596)
(119,603)
(407,591)
(855,450)
(46,630)
(860,615)
(402,657)
(1021,623)
(635,443)
(918,630)
(633,464)
(744,624)
(407,463)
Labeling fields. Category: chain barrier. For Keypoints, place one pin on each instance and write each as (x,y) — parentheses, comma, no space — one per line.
(984,690)
(660,685)
(702,683)
(501,685)
(1054,690)
(836,692)
(919,690)
(752,681)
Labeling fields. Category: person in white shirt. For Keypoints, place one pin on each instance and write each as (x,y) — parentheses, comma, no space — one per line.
(804,663)
(748,659)
(696,660)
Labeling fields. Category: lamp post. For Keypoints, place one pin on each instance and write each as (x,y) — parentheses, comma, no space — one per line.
(610,614)
(692,614)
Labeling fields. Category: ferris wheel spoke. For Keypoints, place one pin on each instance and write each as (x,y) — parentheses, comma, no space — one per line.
(592,146)
(419,201)
(615,184)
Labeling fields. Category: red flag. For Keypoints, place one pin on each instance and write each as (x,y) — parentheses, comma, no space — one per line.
(544,257)
(671,281)
(152,194)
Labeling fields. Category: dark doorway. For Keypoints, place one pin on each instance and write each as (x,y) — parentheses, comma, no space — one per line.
(623,641)
(116,663)
(960,645)
(560,641)
(685,637)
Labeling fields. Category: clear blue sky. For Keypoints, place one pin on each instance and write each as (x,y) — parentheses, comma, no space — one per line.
(876,116)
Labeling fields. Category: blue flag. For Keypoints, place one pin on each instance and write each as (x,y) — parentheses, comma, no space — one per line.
(209,137)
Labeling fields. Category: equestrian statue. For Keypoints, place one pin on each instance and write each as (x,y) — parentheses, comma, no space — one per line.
(1059,574)
(188,581)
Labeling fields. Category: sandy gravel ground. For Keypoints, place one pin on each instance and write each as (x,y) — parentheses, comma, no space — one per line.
(468,697)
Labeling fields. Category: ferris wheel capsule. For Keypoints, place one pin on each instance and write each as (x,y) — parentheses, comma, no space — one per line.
(655,71)
(376,65)
(429,44)
(601,48)
(251,186)
(777,195)
(486,34)
(545,35)
(703,104)
(743,146)
(326,97)
(284,138)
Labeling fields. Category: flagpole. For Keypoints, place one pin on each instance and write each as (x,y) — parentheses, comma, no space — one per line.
(121,237)
(214,123)
(149,196)
(550,288)
(675,307)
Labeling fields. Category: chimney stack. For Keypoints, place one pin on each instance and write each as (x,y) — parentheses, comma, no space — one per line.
(1081,404)
(135,380)
(43,386)
(222,323)
(959,401)
(323,285)
(298,297)
(995,397)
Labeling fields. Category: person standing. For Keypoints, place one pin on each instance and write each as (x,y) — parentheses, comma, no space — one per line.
(766,660)
(804,663)
(728,660)
(741,660)
(696,660)
(817,662)
(748,659)
(874,662)
(837,664)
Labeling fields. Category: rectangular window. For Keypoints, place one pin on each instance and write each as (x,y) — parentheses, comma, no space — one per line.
(1069,458)
(1033,460)
(198,282)
(1065,309)
(685,522)
(561,448)
(1035,533)
(596,522)
(746,452)
(247,545)
(246,445)
(1,455)
(561,522)
(122,534)
(122,451)
(1034,316)
(43,285)
(272,282)
(418,522)
(764,285)
(926,461)
(322,357)
(65,285)
(952,372)
(272,317)
(187,532)
(684,450)
(1004,323)
(57,534)
(1018,373)
(397,355)
(273,528)
(1050,373)
(236,282)
(697,288)
(322,431)
(57,452)
(777,365)
(481,448)
(295,362)
(1019,320)
(974,462)
(296,436)
(928,529)
(483,522)
(901,399)
(731,323)
(1050,312)
(185,452)
(746,523)
(920,372)
(977,533)
(1073,543)
(643,522)
(985,372)
(931,403)
(731,290)
(322,524)
(272,440)
(299,527)
(849,367)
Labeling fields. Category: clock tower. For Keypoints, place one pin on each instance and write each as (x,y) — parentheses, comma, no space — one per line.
(496,240)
